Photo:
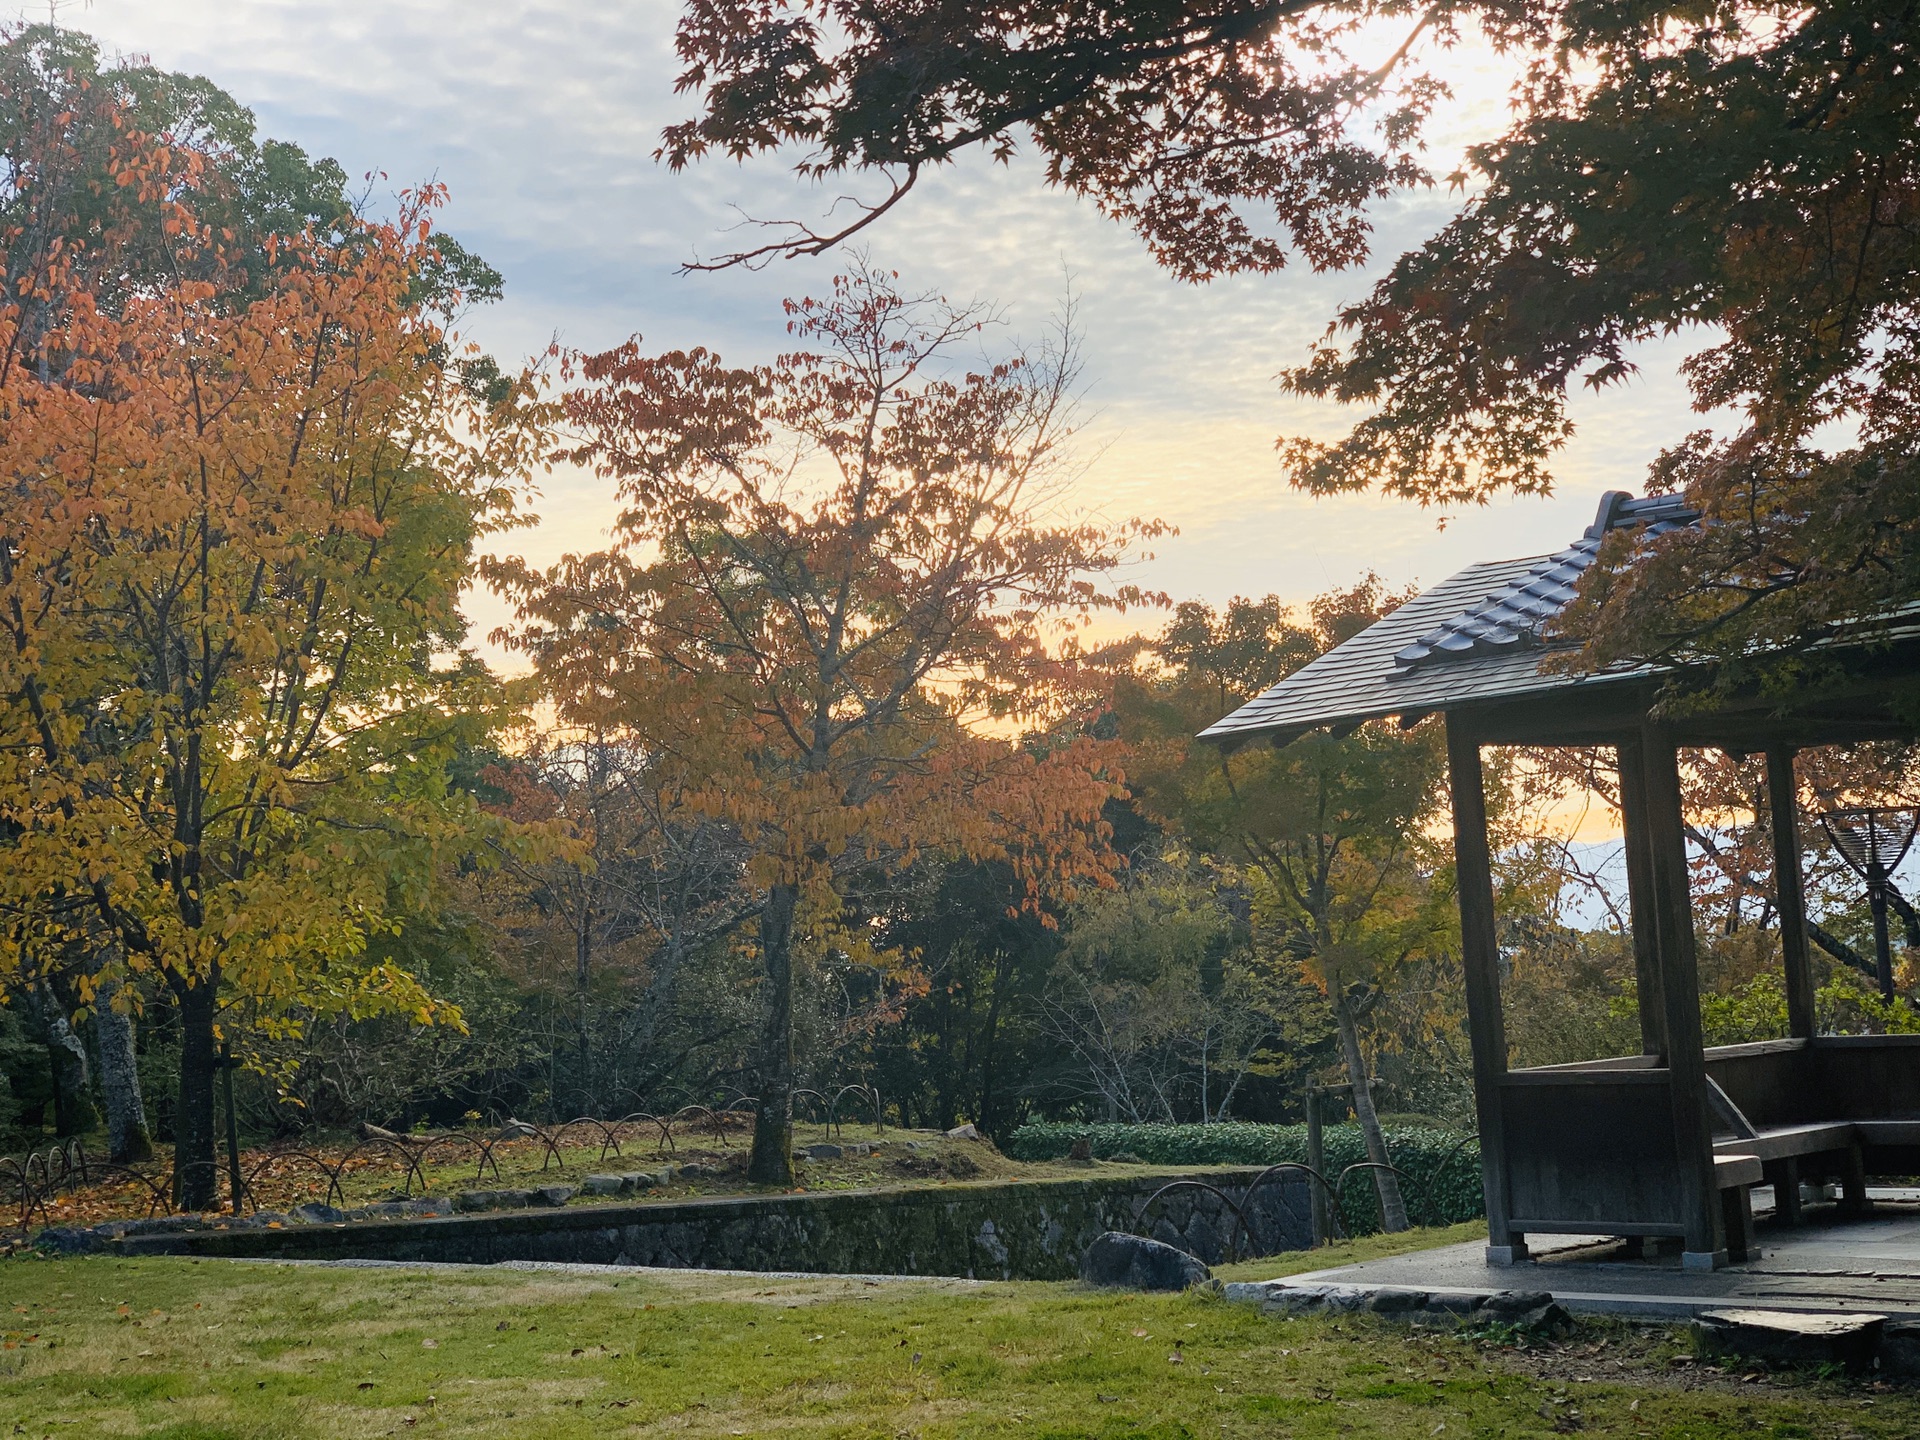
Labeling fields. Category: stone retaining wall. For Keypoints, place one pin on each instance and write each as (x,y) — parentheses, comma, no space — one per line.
(1027,1230)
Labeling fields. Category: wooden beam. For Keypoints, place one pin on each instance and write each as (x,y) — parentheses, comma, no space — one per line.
(1640,897)
(1706,1246)
(1789,891)
(1480,957)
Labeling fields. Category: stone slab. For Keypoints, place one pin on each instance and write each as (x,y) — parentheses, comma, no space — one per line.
(1869,1265)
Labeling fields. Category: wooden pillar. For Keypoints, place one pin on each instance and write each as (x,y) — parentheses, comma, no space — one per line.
(1646,933)
(1788,890)
(1480,958)
(1699,1205)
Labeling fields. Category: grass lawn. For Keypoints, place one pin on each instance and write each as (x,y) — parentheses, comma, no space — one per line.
(209,1350)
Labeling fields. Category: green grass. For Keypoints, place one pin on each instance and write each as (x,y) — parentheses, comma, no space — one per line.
(223,1351)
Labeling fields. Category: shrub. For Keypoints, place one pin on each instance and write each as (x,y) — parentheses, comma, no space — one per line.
(1442,1166)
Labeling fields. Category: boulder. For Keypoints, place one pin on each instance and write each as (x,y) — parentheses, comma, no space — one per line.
(550,1195)
(1287,1299)
(315,1213)
(1789,1337)
(1900,1349)
(1137,1263)
(964,1132)
(607,1185)
(1527,1309)
(1388,1300)
(824,1152)
(69,1240)
(638,1180)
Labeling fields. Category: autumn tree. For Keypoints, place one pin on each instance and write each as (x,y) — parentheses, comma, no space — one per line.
(1329,829)
(241,510)
(1744,173)
(829,599)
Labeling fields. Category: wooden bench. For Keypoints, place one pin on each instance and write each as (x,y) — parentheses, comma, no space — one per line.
(1734,1176)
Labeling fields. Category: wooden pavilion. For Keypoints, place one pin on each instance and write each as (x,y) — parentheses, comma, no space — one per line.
(1669,1142)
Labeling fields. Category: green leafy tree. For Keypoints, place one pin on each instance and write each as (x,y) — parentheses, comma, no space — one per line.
(1330,830)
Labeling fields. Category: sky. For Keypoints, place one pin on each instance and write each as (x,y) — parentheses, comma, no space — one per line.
(541,117)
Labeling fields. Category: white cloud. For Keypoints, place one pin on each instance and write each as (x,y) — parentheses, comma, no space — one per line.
(542,118)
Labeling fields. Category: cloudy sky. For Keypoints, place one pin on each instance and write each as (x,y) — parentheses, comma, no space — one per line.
(542,115)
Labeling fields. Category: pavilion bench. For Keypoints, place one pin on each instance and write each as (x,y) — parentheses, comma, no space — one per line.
(1582,1157)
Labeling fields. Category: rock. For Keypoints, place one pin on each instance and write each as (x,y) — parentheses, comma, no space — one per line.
(1786,1337)
(516,1130)
(430,1205)
(377,1132)
(1515,1302)
(70,1240)
(1525,1309)
(824,1152)
(607,1185)
(265,1219)
(315,1213)
(1390,1301)
(512,1199)
(550,1195)
(1900,1349)
(1137,1263)
(1286,1299)
(963,1132)
(1251,1292)
(1125,1157)
(637,1180)
(1082,1151)
(471,1201)
(696,1171)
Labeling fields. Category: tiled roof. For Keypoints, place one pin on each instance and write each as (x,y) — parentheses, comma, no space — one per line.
(1514,616)
(1474,637)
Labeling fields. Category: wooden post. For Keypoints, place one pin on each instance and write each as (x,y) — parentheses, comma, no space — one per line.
(1646,933)
(1706,1247)
(1789,891)
(1480,957)
(1317,1162)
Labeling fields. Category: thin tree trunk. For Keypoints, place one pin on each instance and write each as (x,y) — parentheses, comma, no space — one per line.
(771,1162)
(128,1139)
(72,1106)
(1393,1209)
(196,1172)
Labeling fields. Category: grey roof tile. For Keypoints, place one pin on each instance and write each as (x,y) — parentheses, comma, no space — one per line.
(1475,636)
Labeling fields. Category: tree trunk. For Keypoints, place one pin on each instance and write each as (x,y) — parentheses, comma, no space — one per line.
(1393,1209)
(72,1105)
(771,1162)
(128,1139)
(196,1172)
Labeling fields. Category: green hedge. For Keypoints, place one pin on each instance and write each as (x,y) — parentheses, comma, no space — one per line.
(1418,1152)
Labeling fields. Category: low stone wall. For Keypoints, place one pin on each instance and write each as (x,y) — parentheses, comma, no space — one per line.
(1027,1230)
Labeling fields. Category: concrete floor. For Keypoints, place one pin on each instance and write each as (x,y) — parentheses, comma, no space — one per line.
(1866,1264)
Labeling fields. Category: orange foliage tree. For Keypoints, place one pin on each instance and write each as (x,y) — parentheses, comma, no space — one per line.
(240,507)
(827,607)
